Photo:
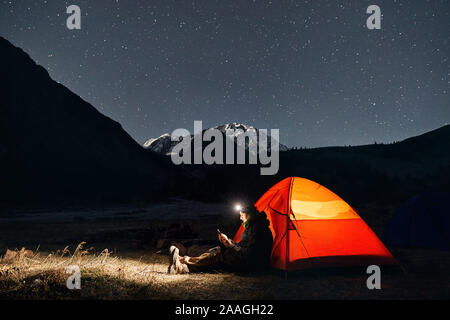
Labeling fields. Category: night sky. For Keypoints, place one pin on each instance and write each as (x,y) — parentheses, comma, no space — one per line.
(310,68)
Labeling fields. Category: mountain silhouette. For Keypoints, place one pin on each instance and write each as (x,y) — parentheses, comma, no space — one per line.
(56,147)
(416,156)
(369,173)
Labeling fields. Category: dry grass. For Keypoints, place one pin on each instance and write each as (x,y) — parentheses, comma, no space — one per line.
(106,276)
(134,269)
(28,277)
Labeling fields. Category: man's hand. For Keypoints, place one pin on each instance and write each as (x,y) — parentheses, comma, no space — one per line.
(224,239)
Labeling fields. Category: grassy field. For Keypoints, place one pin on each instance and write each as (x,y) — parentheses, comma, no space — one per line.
(121,260)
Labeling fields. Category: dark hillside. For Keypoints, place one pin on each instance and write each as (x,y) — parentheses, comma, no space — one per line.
(55,147)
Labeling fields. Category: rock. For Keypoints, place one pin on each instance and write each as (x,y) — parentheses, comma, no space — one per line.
(37,283)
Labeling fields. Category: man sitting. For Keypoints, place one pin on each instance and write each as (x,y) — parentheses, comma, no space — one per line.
(251,253)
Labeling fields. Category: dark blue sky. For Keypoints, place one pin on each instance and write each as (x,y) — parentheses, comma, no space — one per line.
(310,68)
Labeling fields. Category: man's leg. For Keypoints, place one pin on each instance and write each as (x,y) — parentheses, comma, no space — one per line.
(205,261)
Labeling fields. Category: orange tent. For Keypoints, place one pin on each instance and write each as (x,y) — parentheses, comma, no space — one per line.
(313,227)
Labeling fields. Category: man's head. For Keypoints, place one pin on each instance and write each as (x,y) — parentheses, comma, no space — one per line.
(243,216)
(246,212)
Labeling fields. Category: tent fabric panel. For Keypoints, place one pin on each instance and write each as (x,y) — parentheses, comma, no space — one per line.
(278,226)
(313,210)
(310,200)
(307,190)
(281,187)
(278,255)
(338,261)
(297,249)
(340,237)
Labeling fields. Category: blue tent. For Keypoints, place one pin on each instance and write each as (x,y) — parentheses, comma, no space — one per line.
(423,222)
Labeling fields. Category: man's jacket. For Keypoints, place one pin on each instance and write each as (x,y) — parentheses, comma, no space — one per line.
(253,252)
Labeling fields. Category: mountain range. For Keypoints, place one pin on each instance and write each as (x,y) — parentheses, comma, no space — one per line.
(164,144)
(57,149)
(370,173)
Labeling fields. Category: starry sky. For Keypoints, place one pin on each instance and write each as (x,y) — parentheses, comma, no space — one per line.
(310,68)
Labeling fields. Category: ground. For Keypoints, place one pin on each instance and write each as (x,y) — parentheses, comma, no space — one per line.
(134,267)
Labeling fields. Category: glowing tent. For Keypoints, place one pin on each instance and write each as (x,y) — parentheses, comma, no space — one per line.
(313,227)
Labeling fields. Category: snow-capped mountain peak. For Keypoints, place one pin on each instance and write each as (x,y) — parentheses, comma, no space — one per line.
(164,144)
